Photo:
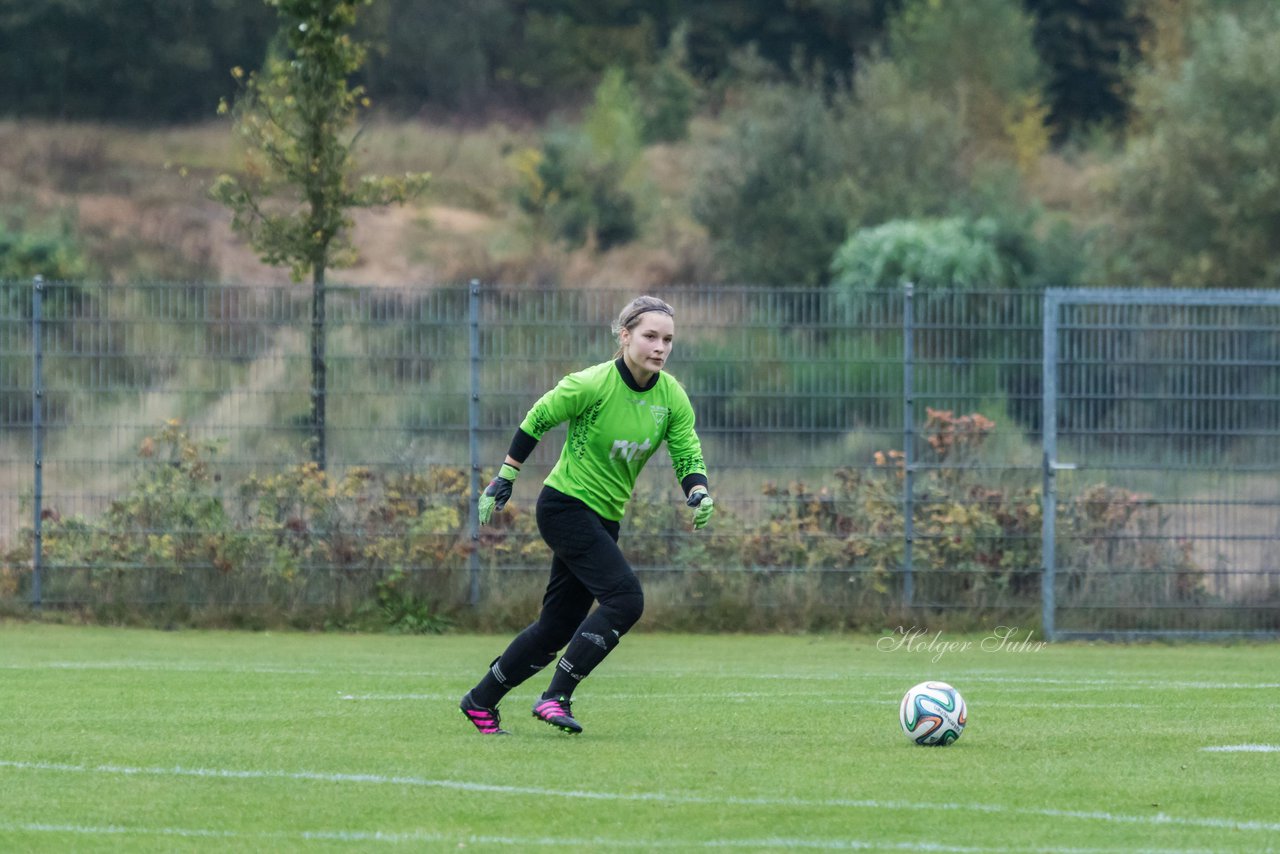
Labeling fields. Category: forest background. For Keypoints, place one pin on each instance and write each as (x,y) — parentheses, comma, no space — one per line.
(984,143)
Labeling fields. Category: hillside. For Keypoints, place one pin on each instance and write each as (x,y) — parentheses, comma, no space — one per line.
(136,201)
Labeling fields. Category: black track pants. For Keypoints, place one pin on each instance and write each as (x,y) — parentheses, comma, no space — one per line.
(587,566)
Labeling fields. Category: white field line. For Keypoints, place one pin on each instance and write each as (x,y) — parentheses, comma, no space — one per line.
(1136,683)
(1063,683)
(1159,819)
(595,843)
(164,666)
(732,696)
(1243,748)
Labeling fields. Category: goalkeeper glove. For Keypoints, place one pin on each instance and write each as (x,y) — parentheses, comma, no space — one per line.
(498,492)
(704,507)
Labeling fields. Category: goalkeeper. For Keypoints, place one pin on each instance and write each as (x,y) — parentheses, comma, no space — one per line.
(619,412)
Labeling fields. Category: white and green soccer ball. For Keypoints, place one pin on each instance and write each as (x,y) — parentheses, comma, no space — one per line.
(933,713)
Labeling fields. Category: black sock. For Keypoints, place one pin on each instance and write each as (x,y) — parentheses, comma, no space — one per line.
(523,657)
(595,639)
(490,690)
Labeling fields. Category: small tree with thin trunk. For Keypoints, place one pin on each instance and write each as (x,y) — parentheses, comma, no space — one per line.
(297,118)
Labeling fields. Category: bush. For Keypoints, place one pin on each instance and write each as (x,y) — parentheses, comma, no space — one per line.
(800,165)
(904,150)
(668,93)
(391,552)
(52,252)
(947,254)
(287,543)
(775,375)
(581,186)
(772,193)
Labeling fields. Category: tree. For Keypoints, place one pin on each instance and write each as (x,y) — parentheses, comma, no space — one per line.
(124,60)
(904,150)
(1089,47)
(437,54)
(772,193)
(977,57)
(296,118)
(585,184)
(798,166)
(1197,193)
(821,34)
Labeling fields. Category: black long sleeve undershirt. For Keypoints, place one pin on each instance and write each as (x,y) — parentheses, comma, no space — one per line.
(522,445)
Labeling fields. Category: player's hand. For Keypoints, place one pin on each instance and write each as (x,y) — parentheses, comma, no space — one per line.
(497,493)
(703,506)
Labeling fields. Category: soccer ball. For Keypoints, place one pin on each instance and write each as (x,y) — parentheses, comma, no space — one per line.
(932,713)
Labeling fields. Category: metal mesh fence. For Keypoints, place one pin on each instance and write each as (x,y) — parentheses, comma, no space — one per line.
(874,455)
(1165,409)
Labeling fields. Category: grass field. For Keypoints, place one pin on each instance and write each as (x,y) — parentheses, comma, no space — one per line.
(148,741)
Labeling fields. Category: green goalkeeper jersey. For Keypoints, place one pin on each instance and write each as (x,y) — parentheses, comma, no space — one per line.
(613,430)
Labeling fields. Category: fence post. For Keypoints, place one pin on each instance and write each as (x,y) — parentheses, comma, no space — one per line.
(908,441)
(37,435)
(473,433)
(1049,443)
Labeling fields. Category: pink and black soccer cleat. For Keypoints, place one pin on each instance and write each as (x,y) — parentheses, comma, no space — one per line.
(557,712)
(488,721)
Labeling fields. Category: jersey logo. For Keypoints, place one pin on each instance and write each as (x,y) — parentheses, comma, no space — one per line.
(659,414)
(624,450)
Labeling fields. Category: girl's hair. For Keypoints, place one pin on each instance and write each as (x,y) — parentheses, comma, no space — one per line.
(630,316)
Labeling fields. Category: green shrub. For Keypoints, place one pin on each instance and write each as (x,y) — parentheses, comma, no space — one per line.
(392,551)
(957,266)
(292,541)
(51,252)
(581,187)
(799,165)
(667,93)
(904,150)
(772,374)
(947,254)
(772,191)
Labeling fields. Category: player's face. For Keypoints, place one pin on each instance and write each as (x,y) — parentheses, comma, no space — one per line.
(648,344)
